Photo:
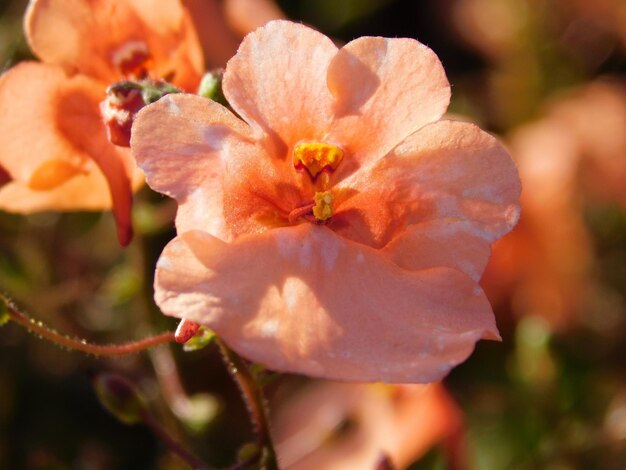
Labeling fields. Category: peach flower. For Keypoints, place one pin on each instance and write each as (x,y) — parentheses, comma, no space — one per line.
(338,426)
(339,228)
(54,145)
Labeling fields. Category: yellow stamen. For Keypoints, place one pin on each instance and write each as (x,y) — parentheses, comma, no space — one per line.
(316,156)
(323,208)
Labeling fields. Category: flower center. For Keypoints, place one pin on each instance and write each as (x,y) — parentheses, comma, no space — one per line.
(316,157)
(132,59)
(323,208)
(317,211)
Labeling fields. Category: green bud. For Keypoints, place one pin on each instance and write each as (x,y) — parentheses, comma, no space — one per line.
(202,339)
(120,398)
(211,86)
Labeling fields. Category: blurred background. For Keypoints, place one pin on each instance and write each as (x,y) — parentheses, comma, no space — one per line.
(548,77)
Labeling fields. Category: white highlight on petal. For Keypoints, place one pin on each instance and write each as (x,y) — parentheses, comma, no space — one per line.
(164,263)
(171,105)
(292,289)
(270,328)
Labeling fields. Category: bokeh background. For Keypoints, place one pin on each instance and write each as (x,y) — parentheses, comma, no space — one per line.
(547,76)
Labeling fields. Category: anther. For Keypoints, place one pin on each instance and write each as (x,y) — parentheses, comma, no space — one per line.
(316,157)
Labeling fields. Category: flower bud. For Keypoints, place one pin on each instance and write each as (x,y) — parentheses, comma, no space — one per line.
(120,397)
(186,330)
(211,86)
(122,103)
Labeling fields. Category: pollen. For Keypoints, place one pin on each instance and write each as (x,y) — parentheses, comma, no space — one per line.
(323,208)
(316,157)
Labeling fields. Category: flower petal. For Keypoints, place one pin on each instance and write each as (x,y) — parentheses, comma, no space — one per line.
(452,243)
(51,131)
(89,37)
(29,94)
(179,142)
(277,80)
(82,192)
(219,42)
(301,299)
(450,171)
(385,89)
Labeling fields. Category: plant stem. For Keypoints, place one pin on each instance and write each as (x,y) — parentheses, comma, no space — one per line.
(172,444)
(254,400)
(39,329)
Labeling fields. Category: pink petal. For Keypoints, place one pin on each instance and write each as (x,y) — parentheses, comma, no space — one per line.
(86,36)
(179,143)
(450,171)
(301,299)
(385,89)
(453,243)
(277,80)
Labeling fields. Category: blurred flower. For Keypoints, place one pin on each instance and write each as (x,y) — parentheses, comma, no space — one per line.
(493,27)
(573,154)
(340,229)
(346,426)
(599,16)
(222,24)
(54,145)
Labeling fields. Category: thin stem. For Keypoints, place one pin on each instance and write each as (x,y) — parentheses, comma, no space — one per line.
(39,329)
(172,444)
(255,402)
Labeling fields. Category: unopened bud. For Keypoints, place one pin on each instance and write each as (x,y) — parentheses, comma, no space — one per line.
(120,398)
(211,86)
(118,111)
(122,103)
(185,331)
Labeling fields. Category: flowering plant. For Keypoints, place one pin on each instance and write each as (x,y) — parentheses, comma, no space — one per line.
(339,227)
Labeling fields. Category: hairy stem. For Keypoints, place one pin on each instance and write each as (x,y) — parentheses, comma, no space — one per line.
(255,402)
(41,330)
(172,444)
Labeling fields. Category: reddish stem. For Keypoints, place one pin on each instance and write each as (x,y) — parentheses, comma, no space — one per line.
(39,329)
